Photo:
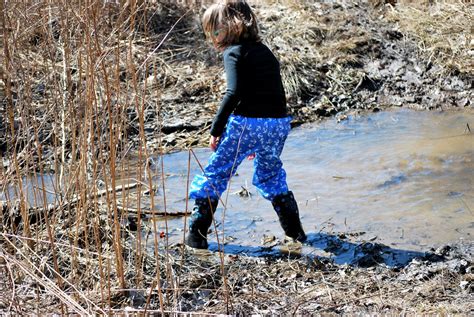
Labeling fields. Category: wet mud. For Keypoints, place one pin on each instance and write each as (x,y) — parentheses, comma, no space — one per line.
(377,279)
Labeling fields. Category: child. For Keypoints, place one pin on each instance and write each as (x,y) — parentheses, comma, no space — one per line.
(251,121)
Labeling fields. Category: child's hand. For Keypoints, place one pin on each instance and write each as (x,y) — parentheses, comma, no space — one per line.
(251,157)
(213,142)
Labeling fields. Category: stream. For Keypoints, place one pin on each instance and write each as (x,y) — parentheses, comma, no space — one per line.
(401,177)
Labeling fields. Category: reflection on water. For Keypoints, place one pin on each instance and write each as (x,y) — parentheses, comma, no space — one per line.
(38,190)
(404,177)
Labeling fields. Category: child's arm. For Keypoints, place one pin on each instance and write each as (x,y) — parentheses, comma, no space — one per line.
(232,94)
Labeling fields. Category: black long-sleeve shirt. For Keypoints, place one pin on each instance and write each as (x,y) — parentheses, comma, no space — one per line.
(254,86)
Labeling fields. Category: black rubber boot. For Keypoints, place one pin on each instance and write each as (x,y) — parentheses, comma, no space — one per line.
(200,221)
(287,210)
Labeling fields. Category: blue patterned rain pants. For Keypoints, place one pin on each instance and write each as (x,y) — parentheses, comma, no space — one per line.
(243,136)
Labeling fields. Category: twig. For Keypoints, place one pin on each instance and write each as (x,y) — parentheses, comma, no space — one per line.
(4,205)
(12,279)
(152,212)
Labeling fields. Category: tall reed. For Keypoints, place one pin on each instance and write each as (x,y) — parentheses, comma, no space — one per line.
(73,71)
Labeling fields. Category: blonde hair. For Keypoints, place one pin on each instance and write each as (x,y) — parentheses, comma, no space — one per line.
(233,17)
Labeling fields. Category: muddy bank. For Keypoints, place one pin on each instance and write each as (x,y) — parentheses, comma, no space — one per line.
(439,281)
(281,282)
(336,57)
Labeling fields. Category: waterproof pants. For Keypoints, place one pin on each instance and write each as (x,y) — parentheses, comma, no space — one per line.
(243,136)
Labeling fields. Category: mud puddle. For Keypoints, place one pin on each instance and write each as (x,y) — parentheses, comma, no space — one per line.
(393,183)
(401,178)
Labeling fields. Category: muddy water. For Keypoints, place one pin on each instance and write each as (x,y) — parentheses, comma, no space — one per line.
(404,177)
(33,192)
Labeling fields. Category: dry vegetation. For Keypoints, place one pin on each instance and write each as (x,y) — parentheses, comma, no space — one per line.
(443,29)
(84,84)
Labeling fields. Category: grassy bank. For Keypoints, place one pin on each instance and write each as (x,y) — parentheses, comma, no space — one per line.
(442,30)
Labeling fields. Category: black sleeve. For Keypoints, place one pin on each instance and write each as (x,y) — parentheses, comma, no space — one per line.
(231,97)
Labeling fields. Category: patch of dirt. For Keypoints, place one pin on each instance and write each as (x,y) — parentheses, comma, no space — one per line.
(435,282)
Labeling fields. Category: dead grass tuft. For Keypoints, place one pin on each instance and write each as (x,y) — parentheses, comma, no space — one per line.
(443,30)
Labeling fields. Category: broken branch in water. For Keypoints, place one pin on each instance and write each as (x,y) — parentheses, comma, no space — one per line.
(35,212)
(152,212)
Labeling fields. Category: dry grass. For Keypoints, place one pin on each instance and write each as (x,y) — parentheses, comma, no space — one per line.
(71,77)
(295,44)
(443,30)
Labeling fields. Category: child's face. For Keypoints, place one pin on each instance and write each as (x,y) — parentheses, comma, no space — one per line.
(217,37)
